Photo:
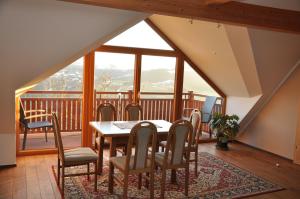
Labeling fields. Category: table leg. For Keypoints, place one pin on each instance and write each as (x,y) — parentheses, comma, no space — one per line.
(100,155)
(112,148)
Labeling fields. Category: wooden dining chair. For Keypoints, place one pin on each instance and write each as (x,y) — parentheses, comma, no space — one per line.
(133,112)
(175,155)
(195,119)
(143,135)
(72,157)
(105,112)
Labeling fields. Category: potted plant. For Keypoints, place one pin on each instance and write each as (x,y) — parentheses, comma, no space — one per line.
(225,127)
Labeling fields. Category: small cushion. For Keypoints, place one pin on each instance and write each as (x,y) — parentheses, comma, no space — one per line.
(120,161)
(40,124)
(80,154)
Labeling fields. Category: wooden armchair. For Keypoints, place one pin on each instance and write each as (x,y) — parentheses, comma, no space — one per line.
(175,156)
(72,157)
(26,116)
(133,112)
(142,135)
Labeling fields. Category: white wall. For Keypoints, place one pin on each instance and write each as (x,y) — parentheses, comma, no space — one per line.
(274,128)
(240,106)
(38,37)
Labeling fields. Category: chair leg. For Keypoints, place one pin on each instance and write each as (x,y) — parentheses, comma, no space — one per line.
(63,181)
(139,181)
(58,171)
(96,177)
(186,186)
(147,181)
(125,188)
(162,184)
(24,138)
(46,136)
(196,162)
(88,171)
(152,184)
(111,178)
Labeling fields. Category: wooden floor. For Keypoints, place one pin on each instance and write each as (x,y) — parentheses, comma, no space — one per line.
(33,178)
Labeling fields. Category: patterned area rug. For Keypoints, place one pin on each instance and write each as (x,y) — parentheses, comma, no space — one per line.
(216,179)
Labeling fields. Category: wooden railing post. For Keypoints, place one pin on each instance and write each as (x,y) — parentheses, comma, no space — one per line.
(191,99)
(130,96)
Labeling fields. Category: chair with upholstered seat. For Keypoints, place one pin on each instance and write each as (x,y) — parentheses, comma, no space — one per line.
(195,119)
(72,157)
(25,121)
(105,112)
(133,112)
(176,154)
(143,135)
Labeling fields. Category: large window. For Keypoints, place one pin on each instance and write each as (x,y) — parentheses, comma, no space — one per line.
(60,93)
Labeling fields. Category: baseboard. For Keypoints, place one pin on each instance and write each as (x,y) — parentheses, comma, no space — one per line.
(7,166)
(262,150)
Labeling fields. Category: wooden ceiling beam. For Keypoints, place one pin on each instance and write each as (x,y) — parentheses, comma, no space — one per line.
(232,12)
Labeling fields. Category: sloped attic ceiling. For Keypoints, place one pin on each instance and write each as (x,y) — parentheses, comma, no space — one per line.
(243,62)
(209,47)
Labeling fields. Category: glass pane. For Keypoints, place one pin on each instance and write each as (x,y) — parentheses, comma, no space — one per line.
(157,87)
(158,74)
(194,82)
(142,36)
(195,90)
(60,93)
(114,72)
(114,76)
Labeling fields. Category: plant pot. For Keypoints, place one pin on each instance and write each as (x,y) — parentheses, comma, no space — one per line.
(222,143)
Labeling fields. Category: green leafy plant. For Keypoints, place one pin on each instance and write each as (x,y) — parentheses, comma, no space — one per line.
(226,127)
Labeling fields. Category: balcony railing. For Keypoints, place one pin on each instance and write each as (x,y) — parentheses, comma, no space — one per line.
(68,105)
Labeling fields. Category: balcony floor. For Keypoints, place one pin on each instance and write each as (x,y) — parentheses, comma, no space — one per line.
(38,141)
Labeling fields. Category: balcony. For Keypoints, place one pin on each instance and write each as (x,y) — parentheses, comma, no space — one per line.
(68,106)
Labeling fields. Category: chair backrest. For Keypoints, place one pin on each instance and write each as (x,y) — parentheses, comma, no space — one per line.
(142,135)
(207,108)
(133,112)
(106,112)
(179,133)
(22,114)
(195,120)
(57,136)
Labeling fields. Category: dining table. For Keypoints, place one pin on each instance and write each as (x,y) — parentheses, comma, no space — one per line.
(117,133)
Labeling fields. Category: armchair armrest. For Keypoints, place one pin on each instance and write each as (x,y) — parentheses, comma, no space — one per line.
(32,111)
(40,115)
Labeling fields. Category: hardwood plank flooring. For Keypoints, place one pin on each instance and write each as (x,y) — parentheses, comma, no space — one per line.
(33,178)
